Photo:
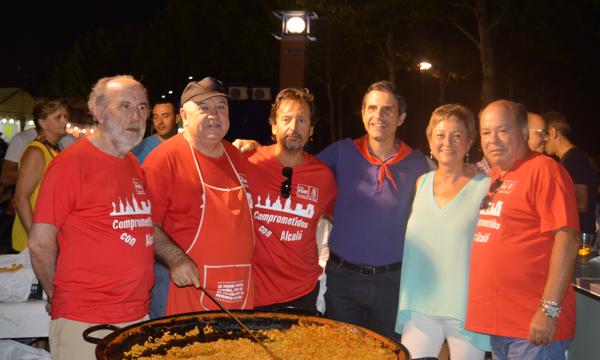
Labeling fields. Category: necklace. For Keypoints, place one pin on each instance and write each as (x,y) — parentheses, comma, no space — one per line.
(53,149)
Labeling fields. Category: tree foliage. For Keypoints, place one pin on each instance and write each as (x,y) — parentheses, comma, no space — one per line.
(480,49)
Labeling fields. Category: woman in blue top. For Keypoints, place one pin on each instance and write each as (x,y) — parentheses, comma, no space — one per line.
(435,267)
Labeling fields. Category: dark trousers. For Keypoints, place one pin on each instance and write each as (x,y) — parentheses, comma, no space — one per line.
(370,301)
(307,302)
(160,291)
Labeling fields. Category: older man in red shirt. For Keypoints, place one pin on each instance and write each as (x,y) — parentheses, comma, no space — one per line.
(525,245)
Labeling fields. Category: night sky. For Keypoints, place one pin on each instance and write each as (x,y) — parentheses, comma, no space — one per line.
(36,32)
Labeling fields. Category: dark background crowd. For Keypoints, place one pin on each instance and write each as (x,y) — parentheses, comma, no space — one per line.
(540,53)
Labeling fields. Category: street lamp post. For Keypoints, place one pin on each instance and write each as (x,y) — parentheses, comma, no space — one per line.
(424,67)
(294,36)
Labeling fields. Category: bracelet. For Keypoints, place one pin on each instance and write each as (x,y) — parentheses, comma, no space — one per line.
(550,308)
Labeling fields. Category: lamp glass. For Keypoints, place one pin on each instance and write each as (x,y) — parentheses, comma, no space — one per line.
(295,25)
(423,66)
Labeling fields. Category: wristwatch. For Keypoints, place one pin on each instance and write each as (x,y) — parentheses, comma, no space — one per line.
(550,308)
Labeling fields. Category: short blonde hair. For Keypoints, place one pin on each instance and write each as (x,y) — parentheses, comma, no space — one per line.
(459,112)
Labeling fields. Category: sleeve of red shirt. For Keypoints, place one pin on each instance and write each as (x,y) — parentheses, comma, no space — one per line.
(157,179)
(58,193)
(555,200)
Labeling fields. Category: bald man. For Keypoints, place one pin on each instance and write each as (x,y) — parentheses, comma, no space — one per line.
(529,216)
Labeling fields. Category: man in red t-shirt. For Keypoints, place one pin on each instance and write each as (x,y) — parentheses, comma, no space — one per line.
(92,242)
(201,207)
(525,245)
(291,190)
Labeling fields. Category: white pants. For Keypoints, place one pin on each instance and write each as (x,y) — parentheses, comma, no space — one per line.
(424,335)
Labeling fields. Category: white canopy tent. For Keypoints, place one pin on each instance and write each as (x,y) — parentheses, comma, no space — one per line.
(15,103)
(16,107)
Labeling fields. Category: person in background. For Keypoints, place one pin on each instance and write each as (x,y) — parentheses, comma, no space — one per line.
(10,166)
(375,176)
(92,239)
(578,165)
(525,245)
(164,123)
(3,146)
(435,266)
(538,134)
(201,206)
(50,118)
(291,185)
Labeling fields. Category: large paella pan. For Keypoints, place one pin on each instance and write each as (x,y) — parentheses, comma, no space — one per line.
(147,340)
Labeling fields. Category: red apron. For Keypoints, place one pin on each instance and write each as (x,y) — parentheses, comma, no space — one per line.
(222,249)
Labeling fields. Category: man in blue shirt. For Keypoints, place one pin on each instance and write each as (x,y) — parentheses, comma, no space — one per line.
(375,177)
(164,123)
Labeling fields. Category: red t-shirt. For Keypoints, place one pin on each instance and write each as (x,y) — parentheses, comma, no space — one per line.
(175,189)
(512,246)
(202,206)
(104,270)
(285,262)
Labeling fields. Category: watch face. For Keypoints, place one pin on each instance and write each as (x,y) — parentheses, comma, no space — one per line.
(551,311)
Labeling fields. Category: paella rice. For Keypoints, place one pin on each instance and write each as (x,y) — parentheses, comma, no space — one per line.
(12,268)
(300,342)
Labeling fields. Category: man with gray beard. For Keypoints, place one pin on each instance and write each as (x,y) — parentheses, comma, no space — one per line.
(94,269)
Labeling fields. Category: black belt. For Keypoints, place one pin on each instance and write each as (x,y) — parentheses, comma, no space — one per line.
(365,269)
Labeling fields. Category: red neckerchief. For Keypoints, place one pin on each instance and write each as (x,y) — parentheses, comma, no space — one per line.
(362,144)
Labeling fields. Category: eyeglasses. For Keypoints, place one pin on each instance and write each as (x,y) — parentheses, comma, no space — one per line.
(286,184)
(487,200)
(540,132)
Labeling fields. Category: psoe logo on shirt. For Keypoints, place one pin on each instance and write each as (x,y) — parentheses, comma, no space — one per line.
(138,186)
(307,192)
(507,186)
(243,180)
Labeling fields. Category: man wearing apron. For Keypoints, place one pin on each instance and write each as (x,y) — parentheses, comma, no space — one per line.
(200,207)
